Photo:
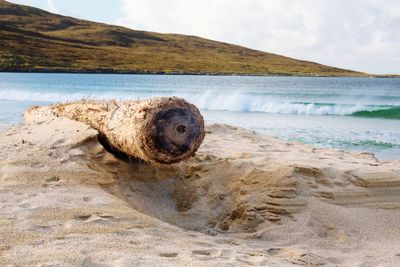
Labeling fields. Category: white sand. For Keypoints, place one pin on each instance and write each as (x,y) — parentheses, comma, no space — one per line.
(245,199)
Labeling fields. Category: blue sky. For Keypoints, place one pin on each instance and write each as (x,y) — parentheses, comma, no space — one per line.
(355,34)
(97,10)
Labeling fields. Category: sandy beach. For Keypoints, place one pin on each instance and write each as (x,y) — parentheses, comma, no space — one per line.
(244,199)
(199,133)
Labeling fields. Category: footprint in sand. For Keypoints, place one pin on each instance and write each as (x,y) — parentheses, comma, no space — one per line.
(86,199)
(168,254)
(53,179)
(274,251)
(307,259)
(202,252)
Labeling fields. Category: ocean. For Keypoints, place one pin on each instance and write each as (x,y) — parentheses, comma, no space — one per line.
(353,114)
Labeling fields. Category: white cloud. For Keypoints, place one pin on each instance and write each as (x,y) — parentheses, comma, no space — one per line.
(52,6)
(43,4)
(358,34)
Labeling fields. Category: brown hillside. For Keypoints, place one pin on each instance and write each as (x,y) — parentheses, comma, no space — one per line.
(35,40)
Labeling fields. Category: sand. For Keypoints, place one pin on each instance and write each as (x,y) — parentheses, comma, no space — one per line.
(244,199)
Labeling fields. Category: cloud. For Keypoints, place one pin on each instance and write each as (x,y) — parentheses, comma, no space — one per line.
(52,6)
(358,34)
(43,4)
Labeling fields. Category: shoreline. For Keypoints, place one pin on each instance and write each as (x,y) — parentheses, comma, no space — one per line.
(195,73)
(200,74)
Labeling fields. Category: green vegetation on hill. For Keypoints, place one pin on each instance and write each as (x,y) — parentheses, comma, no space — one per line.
(35,40)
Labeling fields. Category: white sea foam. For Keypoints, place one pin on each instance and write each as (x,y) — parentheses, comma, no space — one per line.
(20,95)
(209,100)
(253,103)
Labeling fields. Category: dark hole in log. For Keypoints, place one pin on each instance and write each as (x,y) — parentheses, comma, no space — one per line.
(181,128)
(176,131)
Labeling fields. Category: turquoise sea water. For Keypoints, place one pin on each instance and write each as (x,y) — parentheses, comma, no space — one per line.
(356,114)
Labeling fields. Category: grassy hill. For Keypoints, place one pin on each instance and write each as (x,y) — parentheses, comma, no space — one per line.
(35,40)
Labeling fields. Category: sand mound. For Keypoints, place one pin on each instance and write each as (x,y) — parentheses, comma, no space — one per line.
(243,199)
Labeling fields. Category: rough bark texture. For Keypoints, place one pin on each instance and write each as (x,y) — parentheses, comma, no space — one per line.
(159,130)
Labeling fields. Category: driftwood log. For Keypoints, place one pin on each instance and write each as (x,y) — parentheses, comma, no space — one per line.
(159,130)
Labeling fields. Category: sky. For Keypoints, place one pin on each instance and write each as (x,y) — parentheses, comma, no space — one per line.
(361,35)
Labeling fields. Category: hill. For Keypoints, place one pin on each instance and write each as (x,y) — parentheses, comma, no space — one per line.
(34,40)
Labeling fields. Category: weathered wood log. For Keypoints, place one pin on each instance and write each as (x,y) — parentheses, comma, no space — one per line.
(159,130)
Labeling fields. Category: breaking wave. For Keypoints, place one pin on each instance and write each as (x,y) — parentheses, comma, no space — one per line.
(388,113)
(253,103)
(222,101)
